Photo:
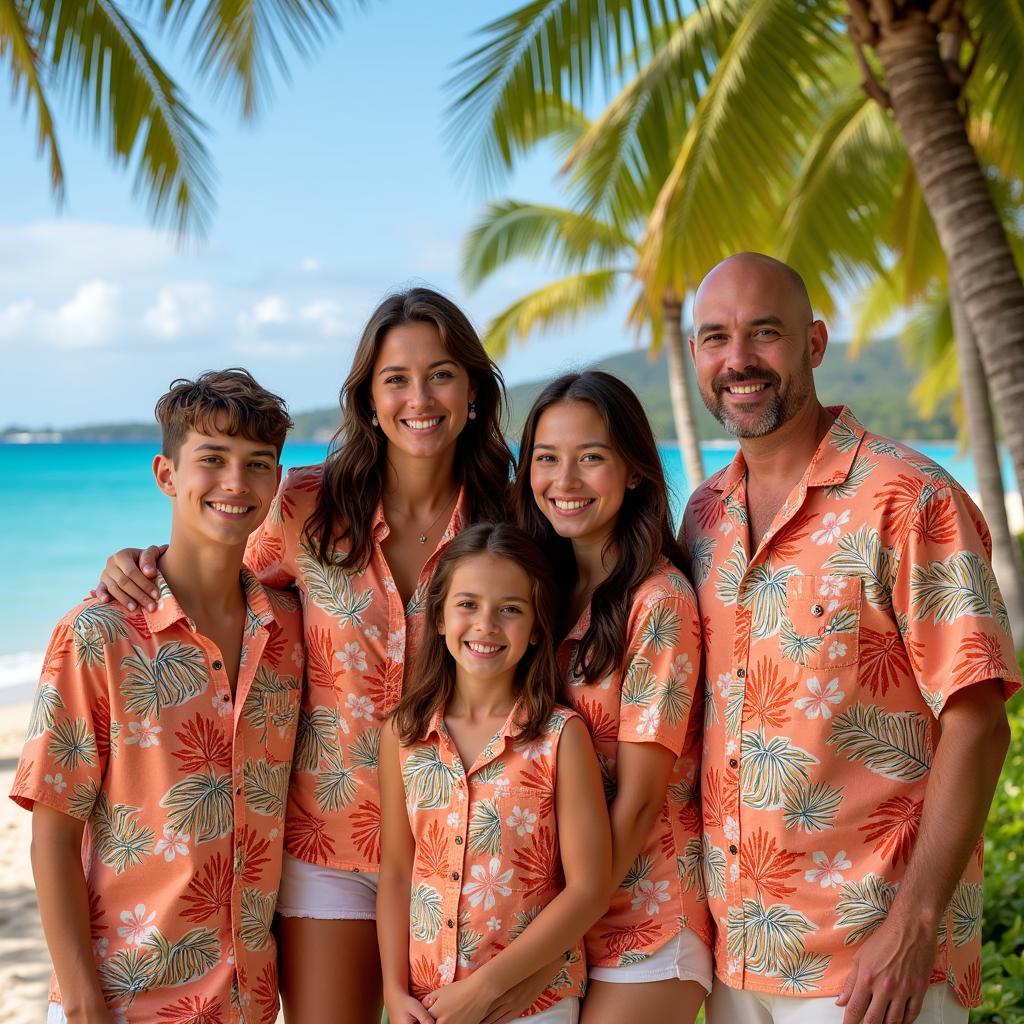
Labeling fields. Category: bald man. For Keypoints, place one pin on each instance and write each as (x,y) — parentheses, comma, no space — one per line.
(857,661)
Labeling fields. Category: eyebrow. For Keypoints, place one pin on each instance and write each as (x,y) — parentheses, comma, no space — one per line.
(769,320)
(434,365)
(225,448)
(579,447)
(508,597)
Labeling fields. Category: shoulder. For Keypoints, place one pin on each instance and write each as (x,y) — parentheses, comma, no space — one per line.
(665,585)
(300,480)
(107,622)
(704,507)
(897,462)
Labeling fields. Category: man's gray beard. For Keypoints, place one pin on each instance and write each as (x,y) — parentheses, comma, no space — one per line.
(768,422)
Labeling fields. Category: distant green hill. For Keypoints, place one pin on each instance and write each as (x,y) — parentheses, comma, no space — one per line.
(876,386)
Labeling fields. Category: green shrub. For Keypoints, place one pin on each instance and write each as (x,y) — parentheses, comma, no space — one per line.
(1003,922)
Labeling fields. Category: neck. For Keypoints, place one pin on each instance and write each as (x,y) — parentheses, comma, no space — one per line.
(481,698)
(781,457)
(594,561)
(202,577)
(419,486)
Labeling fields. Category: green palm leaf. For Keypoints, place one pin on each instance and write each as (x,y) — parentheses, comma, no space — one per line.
(802,973)
(766,591)
(195,954)
(485,828)
(330,588)
(862,554)
(44,709)
(962,584)
(266,787)
(859,472)
(691,869)
(966,909)
(769,936)
(639,686)
(365,752)
(674,700)
(175,675)
(428,780)
(335,785)
(702,554)
(95,626)
(713,866)
(893,744)
(201,805)
(118,839)
(316,738)
(639,871)
(424,913)
(661,628)
(83,799)
(126,973)
(730,574)
(811,808)
(796,647)
(770,769)
(490,772)
(72,743)
(257,917)
(863,906)
(467,941)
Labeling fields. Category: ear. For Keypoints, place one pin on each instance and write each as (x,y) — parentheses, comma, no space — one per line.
(440,627)
(818,337)
(163,470)
(634,480)
(472,390)
(693,348)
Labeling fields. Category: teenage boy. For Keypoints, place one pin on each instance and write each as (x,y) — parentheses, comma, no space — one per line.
(165,739)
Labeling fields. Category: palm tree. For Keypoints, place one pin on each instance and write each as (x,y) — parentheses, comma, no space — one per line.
(91,52)
(751,76)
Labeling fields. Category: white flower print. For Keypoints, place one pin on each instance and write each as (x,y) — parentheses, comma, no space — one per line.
(734,872)
(831,527)
(724,684)
(501,786)
(832,586)
(372,632)
(447,970)
(650,895)
(725,527)
(343,725)
(56,780)
(360,707)
(298,655)
(730,748)
(172,843)
(453,819)
(836,649)
(221,704)
(488,882)
(818,703)
(828,873)
(536,750)
(650,719)
(137,926)
(396,646)
(732,965)
(682,667)
(100,947)
(144,733)
(732,828)
(522,820)
(493,924)
(274,833)
(352,658)
(389,586)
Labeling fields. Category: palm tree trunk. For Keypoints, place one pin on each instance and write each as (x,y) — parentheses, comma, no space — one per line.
(981,264)
(679,388)
(981,437)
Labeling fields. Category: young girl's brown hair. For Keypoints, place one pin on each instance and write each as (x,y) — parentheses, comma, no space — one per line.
(430,680)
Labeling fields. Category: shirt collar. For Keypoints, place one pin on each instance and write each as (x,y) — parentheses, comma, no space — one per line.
(509,730)
(458,519)
(168,611)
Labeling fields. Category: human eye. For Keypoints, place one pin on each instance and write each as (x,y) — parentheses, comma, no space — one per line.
(766,333)
(395,378)
(512,609)
(543,457)
(591,457)
(259,465)
(444,375)
(465,603)
(211,460)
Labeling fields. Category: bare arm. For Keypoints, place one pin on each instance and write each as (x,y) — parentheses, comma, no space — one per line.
(585,845)
(64,910)
(127,577)
(892,968)
(393,886)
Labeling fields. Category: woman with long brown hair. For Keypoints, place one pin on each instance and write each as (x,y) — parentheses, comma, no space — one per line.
(591,490)
(419,455)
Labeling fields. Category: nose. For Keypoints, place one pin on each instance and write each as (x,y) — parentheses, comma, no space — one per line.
(486,620)
(419,394)
(740,354)
(568,475)
(235,478)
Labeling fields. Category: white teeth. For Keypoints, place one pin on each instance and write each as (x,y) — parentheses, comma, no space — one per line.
(478,648)
(746,389)
(423,424)
(235,510)
(569,506)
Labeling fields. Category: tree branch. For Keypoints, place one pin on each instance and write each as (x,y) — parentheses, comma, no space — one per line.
(869,83)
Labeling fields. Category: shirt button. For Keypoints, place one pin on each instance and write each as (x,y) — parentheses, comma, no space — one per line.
(817,610)
(458,840)
(455,876)
(451,923)
(733,763)
(741,673)
(218,665)
(732,849)
(238,790)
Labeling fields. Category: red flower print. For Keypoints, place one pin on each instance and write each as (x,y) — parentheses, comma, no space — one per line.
(209,890)
(192,1010)
(896,828)
(366,830)
(202,744)
(768,697)
(306,837)
(979,657)
(537,862)
(767,866)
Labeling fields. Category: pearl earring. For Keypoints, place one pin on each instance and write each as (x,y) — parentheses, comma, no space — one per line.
(472,410)
(374,420)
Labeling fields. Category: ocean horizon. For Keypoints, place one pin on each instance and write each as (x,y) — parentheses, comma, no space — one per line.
(67,506)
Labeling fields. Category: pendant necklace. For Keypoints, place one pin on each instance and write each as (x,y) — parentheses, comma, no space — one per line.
(422,538)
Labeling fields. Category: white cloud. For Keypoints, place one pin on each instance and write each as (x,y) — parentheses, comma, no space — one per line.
(270,311)
(326,314)
(89,318)
(15,318)
(309,265)
(182,306)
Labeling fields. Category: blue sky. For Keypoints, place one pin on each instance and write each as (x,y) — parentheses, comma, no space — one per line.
(340,191)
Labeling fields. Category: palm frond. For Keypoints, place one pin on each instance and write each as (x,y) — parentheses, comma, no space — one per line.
(509,230)
(913,236)
(126,97)
(510,89)
(876,305)
(558,304)
(17,46)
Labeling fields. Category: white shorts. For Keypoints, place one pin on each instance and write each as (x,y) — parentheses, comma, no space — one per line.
(327,894)
(734,1006)
(55,1014)
(565,1011)
(684,957)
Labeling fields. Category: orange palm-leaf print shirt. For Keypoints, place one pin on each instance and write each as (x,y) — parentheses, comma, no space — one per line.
(652,698)
(834,648)
(182,787)
(359,638)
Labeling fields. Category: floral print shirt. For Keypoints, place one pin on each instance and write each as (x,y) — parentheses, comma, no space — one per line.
(830,653)
(487,857)
(182,788)
(653,698)
(358,639)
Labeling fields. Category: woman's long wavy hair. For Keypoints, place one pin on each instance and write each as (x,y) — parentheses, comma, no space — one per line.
(643,529)
(355,470)
(430,680)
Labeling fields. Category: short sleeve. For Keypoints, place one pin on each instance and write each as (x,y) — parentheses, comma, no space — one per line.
(68,742)
(954,623)
(660,674)
(270,552)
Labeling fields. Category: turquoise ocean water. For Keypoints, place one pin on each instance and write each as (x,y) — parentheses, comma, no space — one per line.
(65,507)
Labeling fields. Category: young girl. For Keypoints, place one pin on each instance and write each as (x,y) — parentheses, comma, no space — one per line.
(419,455)
(590,488)
(496,847)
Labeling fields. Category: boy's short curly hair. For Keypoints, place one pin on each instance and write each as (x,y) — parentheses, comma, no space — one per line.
(223,401)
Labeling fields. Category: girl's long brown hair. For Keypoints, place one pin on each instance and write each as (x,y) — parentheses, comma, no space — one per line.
(643,529)
(430,680)
(355,469)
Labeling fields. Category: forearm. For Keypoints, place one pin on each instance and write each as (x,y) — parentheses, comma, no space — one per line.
(545,942)
(64,910)
(393,889)
(632,821)
(965,770)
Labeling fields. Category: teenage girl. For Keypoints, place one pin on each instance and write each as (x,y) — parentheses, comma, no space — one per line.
(496,844)
(419,455)
(591,490)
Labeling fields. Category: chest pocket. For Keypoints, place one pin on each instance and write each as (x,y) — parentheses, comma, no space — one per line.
(281,718)
(822,625)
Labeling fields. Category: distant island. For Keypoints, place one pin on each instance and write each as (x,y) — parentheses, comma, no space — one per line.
(876,385)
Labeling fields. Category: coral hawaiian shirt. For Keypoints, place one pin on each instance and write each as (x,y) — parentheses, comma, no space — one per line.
(653,698)
(182,788)
(358,638)
(487,857)
(830,652)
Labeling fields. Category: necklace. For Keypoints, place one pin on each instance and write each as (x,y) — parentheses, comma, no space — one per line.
(422,538)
